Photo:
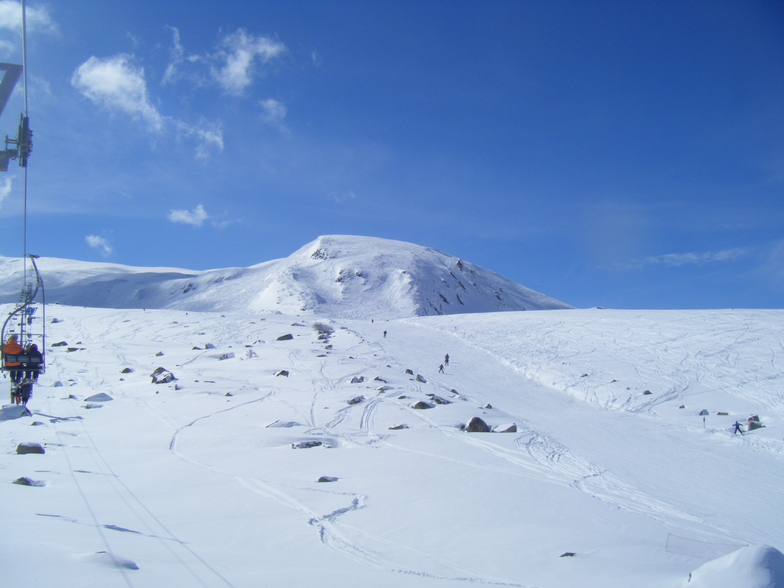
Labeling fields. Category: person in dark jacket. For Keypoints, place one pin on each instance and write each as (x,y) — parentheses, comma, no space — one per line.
(34,363)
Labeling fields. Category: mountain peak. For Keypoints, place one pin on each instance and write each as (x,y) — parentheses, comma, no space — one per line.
(335,275)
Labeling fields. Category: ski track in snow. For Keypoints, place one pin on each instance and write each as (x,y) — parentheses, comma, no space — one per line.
(328,526)
(530,453)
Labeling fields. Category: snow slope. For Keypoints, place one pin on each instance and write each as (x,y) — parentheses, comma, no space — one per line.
(340,276)
(213,479)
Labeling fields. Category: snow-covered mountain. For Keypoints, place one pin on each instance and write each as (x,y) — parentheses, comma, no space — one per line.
(298,443)
(334,276)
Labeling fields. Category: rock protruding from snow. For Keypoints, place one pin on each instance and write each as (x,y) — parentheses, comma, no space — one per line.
(25,481)
(100,397)
(25,448)
(13,411)
(162,376)
(755,566)
(477,425)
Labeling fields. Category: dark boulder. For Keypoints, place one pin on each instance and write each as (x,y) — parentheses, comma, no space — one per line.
(25,481)
(477,425)
(162,376)
(24,448)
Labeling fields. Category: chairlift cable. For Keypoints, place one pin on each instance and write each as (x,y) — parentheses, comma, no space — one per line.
(29,363)
(25,117)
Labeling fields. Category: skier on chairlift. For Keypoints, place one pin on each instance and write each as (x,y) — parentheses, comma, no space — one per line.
(12,348)
(33,364)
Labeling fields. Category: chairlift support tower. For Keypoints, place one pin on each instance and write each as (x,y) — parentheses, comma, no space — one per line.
(24,320)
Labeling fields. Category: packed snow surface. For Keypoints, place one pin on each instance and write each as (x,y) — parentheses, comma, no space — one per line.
(213,478)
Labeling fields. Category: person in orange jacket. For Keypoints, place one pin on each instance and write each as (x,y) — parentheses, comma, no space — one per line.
(12,347)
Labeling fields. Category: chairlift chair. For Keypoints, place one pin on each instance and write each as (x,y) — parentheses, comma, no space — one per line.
(28,325)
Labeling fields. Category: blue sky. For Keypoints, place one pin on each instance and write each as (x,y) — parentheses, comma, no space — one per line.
(613,153)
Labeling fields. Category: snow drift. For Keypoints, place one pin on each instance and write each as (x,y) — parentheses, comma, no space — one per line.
(757,566)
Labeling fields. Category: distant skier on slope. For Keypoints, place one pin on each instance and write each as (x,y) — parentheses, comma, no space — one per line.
(446,359)
(441,369)
(737,428)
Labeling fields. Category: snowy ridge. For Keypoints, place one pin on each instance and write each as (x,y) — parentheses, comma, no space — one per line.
(338,276)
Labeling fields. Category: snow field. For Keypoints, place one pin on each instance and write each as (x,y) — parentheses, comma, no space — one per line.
(200,485)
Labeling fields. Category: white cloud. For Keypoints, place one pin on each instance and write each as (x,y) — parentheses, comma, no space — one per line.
(38,18)
(5,190)
(237,54)
(117,84)
(681,259)
(195,217)
(97,242)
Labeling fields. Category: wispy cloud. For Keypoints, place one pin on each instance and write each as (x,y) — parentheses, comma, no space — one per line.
(118,85)
(177,58)
(236,57)
(5,190)
(38,17)
(195,217)
(232,65)
(681,259)
(341,197)
(208,136)
(38,20)
(773,260)
(99,243)
(273,113)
